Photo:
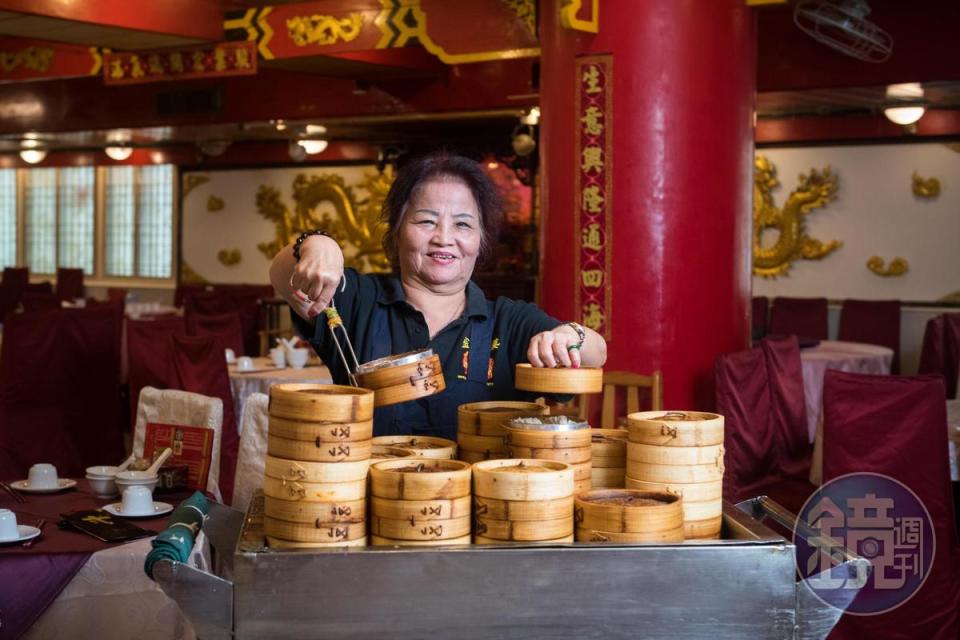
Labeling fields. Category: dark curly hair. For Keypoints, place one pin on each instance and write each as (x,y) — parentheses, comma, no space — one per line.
(418,171)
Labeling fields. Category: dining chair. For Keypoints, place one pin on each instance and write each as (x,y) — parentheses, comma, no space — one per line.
(803,317)
(631,384)
(897,426)
(940,352)
(149,355)
(759,316)
(172,406)
(251,459)
(788,405)
(873,322)
(226,326)
(69,283)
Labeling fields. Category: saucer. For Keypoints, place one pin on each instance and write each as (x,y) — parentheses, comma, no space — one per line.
(26,533)
(159,508)
(62,483)
(256,369)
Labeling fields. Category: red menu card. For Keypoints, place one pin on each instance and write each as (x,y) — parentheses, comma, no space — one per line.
(192,446)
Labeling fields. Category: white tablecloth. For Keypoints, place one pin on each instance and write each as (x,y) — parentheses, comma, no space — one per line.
(854,357)
(265,374)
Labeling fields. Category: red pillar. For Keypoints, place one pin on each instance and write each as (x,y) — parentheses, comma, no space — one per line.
(683,84)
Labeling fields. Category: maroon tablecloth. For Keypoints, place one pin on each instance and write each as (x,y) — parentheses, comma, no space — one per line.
(31,579)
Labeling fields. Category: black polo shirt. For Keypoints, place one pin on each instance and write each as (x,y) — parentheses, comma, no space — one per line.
(515,323)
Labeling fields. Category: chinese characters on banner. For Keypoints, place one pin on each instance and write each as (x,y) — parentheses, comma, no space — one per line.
(593,175)
(224,59)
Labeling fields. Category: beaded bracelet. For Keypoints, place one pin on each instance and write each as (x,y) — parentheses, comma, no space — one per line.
(303,236)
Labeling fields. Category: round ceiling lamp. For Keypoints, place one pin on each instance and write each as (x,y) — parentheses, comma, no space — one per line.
(313,147)
(297,152)
(118,153)
(906,103)
(30,151)
(904,115)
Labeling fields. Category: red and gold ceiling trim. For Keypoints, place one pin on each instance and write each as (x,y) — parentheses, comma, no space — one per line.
(27,59)
(213,61)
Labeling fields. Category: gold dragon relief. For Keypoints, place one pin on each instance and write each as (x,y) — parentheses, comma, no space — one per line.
(355,226)
(814,190)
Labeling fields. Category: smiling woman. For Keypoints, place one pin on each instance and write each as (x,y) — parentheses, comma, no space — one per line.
(442,216)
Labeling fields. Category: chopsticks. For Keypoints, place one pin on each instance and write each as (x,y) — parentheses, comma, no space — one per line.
(29,543)
(16,496)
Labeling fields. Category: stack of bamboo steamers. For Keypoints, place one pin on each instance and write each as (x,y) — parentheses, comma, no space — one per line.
(318,456)
(680,452)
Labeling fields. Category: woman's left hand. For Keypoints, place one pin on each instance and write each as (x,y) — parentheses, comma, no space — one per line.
(553,348)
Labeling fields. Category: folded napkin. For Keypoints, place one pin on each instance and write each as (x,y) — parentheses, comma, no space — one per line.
(176,541)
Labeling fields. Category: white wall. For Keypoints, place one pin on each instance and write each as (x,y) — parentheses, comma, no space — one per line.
(239,225)
(875,213)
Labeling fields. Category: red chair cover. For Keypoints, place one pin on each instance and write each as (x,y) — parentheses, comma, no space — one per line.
(874,322)
(225,325)
(897,426)
(789,412)
(116,294)
(951,355)
(743,398)
(69,283)
(241,299)
(759,311)
(803,317)
(184,291)
(149,354)
(933,355)
(201,368)
(16,277)
(39,301)
(39,287)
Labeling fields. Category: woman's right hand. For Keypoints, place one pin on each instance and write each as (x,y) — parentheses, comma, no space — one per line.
(309,285)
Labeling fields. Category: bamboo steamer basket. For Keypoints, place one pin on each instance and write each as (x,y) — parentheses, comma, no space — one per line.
(422,446)
(387,452)
(420,479)
(488,540)
(608,477)
(690,492)
(279,543)
(524,479)
(314,491)
(377,541)
(420,510)
(523,530)
(302,471)
(522,510)
(321,402)
(706,510)
(493,444)
(570,455)
(628,511)
(558,380)
(318,451)
(314,531)
(703,529)
(655,454)
(582,471)
(478,456)
(412,530)
(681,473)
(594,535)
(353,511)
(488,418)
(606,462)
(582,486)
(675,428)
(543,439)
(321,431)
(403,377)
(608,443)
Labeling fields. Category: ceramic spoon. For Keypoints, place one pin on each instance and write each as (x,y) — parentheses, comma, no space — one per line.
(149,473)
(126,463)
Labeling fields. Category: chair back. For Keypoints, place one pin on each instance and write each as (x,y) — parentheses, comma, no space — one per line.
(897,426)
(16,277)
(171,406)
(39,301)
(150,355)
(226,326)
(788,405)
(743,399)
(803,317)
(951,356)
(873,322)
(69,283)
(759,316)
(630,383)
(116,294)
(251,459)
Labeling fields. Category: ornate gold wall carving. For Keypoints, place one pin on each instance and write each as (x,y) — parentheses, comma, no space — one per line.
(357,221)
(324,30)
(897,267)
(526,10)
(814,191)
(191,181)
(189,276)
(925,187)
(214,203)
(229,257)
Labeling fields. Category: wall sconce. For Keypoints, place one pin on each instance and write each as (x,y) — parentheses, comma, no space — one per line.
(523,140)
(531,117)
(30,151)
(906,103)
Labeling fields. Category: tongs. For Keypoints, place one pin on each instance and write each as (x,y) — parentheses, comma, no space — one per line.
(334,321)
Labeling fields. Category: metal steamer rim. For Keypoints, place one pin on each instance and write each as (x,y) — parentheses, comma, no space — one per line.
(398,360)
(548,423)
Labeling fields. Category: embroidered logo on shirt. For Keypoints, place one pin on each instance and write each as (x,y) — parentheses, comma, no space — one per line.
(464,359)
(493,350)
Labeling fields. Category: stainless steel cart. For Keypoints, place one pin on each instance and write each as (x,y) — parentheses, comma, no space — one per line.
(742,586)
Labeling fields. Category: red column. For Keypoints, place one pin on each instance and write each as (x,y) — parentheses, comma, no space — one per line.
(683,84)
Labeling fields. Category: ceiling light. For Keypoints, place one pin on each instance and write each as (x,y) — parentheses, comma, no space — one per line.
(119,153)
(313,146)
(280,125)
(532,117)
(297,152)
(30,152)
(905,102)
(213,147)
(904,115)
(315,130)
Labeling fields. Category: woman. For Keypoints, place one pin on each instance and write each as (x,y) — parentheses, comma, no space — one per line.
(442,215)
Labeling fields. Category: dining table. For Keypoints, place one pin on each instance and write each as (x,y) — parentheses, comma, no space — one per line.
(70,585)
(264,374)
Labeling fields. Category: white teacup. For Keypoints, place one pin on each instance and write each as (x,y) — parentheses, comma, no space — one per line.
(279,357)
(42,476)
(137,501)
(230,355)
(298,358)
(244,363)
(8,525)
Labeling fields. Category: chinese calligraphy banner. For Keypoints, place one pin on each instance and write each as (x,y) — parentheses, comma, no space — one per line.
(593,226)
(223,59)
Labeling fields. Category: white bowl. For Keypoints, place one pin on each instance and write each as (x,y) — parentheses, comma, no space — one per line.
(136,478)
(102,471)
(103,487)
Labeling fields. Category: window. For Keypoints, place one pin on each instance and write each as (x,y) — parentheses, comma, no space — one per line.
(64,222)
